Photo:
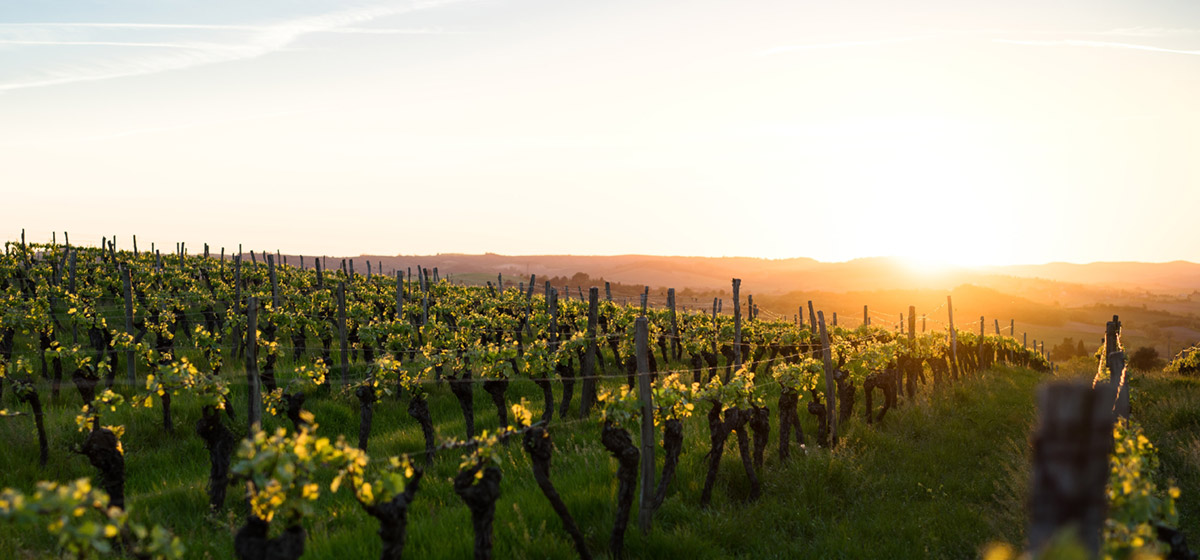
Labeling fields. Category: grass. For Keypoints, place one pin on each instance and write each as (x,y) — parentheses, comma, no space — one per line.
(940,477)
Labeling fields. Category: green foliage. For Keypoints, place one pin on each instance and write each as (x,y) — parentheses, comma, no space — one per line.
(84,523)
(1136,503)
(280,471)
(800,377)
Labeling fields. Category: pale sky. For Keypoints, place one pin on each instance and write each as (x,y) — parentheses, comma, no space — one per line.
(975,132)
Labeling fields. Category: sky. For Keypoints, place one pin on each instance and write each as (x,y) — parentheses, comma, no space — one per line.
(957,131)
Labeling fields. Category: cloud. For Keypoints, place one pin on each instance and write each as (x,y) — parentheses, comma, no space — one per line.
(157,45)
(835,45)
(216,27)
(1097,44)
(1149,31)
(259,41)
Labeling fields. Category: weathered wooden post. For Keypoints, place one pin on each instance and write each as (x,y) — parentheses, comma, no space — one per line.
(127,287)
(716,329)
(866,316)
(737,325)
(608,292)
(675,346)
(1071,447)
(648,439)
(980,363)
(1115,358)
(912,326)
(587,395)
(812,315)
(254,414)
(953,340)
(274,282)
(831,416)
(399,296)
(345,347)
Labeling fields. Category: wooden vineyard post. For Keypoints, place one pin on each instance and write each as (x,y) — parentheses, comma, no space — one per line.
(953,340)
(127,287)
(1115,358)
(608,292)
(716,330)
(1071,447)
(912,327)
(866,316)
(552,311)
(901,329)
(997,321)
(274,281)
(835,318)
(812,315)
(320,274)
(588,394)
(254,415)
(831,416)
(237,299)
(737,326)
(399,296)
(675,346)
(345,358)
(982,333)
(645,296)
(71,286)
(648,440)
(800,317)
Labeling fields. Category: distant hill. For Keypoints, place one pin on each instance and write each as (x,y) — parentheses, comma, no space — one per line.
(1159,303)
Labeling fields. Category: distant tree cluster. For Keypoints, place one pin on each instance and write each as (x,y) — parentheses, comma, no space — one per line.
(1068,349)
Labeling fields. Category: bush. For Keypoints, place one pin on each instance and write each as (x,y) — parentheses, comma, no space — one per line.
(1146,358)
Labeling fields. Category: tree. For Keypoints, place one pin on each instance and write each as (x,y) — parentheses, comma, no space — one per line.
(1064,351)
(1145,358)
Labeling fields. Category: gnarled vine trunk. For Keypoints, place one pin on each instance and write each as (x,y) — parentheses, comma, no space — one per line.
(219,441)
(480,496)
(537,443)
(620,445)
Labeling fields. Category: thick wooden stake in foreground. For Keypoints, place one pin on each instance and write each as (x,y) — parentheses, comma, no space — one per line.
(646,502)
(1070,463)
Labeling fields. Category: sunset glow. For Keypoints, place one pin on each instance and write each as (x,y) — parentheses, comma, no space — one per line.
(939,133)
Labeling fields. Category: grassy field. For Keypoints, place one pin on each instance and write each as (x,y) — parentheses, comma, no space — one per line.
(939,478)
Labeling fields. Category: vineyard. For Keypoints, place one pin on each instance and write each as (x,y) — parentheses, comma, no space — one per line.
(199,406)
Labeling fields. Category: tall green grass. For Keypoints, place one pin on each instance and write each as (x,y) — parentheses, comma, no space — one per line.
(940,477)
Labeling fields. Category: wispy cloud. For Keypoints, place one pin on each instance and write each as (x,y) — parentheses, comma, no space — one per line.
(835,45)
(216,27)
(1095,44)
(259,41)
(1149,31)
(157,45)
